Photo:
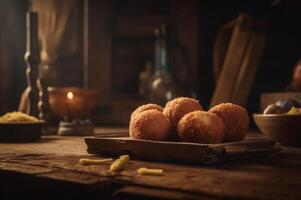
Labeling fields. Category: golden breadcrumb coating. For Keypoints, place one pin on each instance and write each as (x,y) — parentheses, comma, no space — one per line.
(150,106)
(201,127)
(177,108)
(236,119)
(150,125)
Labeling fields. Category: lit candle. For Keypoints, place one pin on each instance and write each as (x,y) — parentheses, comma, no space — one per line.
(69,99)
(70,95)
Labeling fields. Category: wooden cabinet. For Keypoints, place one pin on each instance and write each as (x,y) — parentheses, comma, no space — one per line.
(119,41)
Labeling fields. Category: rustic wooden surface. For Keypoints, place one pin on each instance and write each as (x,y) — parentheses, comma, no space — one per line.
(53,162)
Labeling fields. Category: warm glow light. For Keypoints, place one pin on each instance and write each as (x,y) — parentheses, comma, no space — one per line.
(70,95)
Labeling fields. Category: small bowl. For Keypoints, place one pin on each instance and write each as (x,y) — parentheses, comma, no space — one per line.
(285,129)
(20,132)
(82,104)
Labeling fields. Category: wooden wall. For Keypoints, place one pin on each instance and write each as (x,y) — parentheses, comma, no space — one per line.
(121,41)
(12,49)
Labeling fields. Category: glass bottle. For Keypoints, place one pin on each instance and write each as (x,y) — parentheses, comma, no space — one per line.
(163,87)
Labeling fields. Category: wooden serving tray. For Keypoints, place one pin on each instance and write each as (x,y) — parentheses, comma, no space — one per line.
(252,146)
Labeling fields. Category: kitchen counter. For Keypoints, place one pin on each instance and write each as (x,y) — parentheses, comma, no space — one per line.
(49,168)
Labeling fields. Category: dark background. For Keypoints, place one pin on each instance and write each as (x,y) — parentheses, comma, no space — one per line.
(282,51)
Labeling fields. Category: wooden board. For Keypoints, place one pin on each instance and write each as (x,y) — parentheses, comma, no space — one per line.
(181,151)
(233,59)
(247,73)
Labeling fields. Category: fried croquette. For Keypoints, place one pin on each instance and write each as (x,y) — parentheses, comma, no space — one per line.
(177,108)
(201,127)
(149,125)
(236,120)
(145,107)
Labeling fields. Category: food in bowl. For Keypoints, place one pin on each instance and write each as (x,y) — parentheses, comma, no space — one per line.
(294,111)
(273,109)
(287,104)
(20,127)
(17,117)
(282,128)
(281,125)
(281,107)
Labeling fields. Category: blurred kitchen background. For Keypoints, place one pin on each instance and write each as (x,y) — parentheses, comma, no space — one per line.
(109,45)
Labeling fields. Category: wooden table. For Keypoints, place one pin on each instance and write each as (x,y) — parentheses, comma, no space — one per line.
(50,168)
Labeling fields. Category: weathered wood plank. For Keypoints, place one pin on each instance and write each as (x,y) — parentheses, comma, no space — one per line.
(275,177)
(76,177)
(253,179)
(25,169)
(136,192)
(67,163)
(48,145)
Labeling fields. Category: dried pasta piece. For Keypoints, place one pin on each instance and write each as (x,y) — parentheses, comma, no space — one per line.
(146,171)
(118,164)
(86,161)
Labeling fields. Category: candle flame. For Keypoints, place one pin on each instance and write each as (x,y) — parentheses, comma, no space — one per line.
(70,95)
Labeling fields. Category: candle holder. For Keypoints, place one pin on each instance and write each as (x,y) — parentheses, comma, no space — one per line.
(73,105)
(32,60)
(76,127)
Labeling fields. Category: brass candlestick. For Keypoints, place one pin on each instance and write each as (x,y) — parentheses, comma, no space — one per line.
(38,105)
(32,59)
